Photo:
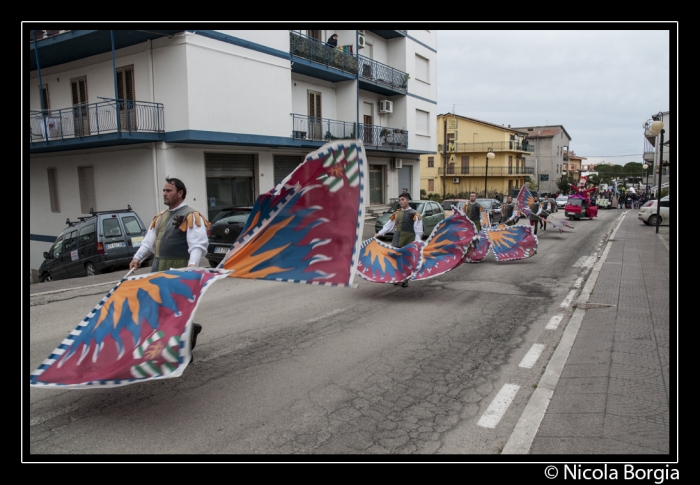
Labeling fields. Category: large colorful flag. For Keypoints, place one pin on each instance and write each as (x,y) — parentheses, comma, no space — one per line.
(140,330)
(443,251)
(383,263)
(447,245)
(308,229)
(524,200)
(507,243)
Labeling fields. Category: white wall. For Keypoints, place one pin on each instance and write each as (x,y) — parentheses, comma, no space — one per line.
(250,90)
(121,177)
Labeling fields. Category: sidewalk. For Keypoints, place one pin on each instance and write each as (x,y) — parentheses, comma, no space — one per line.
(606,389)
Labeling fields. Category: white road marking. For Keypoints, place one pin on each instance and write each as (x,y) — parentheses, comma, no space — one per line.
(329,314)
(577,283)
(532,355)
(569,298)
(498,406)
(585,262)
(554,322)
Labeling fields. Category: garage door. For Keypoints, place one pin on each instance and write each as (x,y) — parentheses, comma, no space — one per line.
(229,165)
(284,165)
(229,181)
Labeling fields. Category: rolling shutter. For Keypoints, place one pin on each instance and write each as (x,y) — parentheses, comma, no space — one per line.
(229,165)
(405,181)
(284,165)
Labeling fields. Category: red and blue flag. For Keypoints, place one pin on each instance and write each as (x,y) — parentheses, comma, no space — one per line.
(308,229)
(140,330)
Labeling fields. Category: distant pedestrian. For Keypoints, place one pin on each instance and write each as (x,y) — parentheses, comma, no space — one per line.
(473,211)
(405,193)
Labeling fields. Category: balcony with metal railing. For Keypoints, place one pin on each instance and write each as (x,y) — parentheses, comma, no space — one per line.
(383,136)
(496,146)
(380,78)
(313,128)
(91,119)
(317,59)
(498,171)
(306,127)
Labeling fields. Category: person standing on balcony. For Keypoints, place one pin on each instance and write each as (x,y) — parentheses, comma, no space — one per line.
(406,224)
(332,41)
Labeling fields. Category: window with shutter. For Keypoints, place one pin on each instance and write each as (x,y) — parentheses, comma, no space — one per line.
(125,92)
(53,190)
(81,121)
(86,187)
(315,128)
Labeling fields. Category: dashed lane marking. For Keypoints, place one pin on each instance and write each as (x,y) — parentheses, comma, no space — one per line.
(498,407)
(532,355)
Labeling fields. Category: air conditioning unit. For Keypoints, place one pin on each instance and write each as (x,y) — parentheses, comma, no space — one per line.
(455,180)
(386,106)
(360,41)
(396,163)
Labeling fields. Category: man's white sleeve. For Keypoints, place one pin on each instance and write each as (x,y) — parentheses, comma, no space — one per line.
(418,228)
(197,242)
(147,245)
(387,227)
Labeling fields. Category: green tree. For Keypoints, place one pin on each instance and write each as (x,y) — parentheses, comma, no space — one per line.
(563,184)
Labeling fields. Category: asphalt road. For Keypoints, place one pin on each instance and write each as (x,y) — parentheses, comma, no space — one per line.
(292,369)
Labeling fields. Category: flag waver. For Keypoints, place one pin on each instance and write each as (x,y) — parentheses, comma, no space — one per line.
(443,251)
(307,229)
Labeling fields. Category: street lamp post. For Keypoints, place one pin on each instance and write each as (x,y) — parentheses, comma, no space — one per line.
(489,155)
(657,127)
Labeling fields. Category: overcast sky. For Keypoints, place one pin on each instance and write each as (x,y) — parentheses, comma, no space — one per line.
(600,85)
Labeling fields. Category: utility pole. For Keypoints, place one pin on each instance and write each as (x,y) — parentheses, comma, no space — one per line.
(444,160)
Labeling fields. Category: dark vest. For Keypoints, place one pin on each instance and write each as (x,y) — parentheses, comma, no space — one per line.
(172,250)
(533,210)
(507,213)
(473,212)
(403,231)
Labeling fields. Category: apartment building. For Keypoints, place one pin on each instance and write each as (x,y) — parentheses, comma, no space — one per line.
(230,112)
(550,143)
(572,165)
(475,155)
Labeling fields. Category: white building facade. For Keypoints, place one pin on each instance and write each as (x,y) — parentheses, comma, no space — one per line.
(229,112)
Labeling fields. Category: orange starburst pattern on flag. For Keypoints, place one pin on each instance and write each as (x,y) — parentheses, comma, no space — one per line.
(153,350)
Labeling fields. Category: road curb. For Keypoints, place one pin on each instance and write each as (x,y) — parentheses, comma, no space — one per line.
(523,434)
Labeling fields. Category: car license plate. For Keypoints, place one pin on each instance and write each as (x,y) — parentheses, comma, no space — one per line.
(220,249)
(116,245)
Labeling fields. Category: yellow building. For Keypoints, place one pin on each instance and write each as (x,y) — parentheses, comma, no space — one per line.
(572,165)
(475,155)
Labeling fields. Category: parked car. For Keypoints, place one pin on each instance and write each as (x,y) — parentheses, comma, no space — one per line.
(561,201)
(225,228)
(493,206)
(101,242)
(647,213)
(448,203)
(430,211)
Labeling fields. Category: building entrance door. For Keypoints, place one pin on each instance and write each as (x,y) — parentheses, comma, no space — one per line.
(376,184)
